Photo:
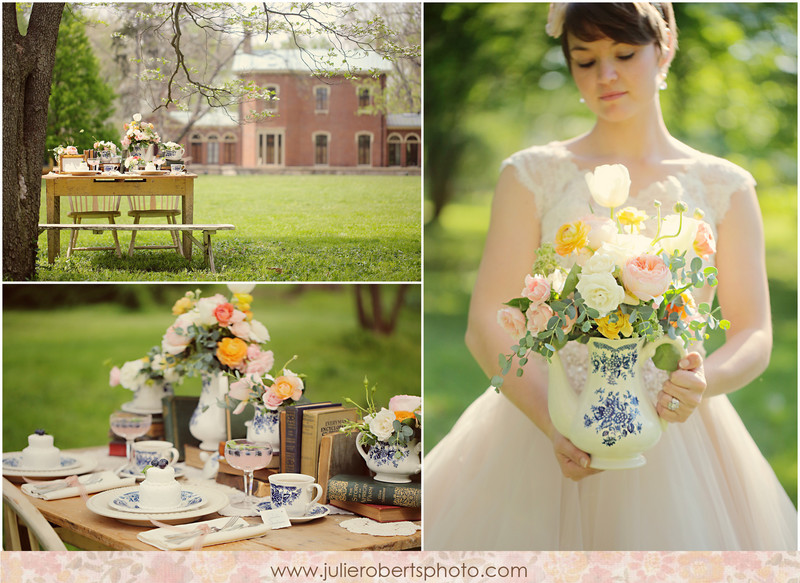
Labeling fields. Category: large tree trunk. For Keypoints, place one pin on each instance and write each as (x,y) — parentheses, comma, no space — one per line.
(27,71)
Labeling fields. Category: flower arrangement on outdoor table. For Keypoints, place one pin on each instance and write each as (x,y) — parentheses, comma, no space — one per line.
(263,389)
(152,369)
(602,278)
(218,334)
(398,425)
(139,133)
(61,150)
(101,146)
(132,162)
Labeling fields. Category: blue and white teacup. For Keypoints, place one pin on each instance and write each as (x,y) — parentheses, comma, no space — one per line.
(294,492)
(147,453)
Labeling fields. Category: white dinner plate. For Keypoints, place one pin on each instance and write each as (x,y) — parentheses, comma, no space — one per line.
(16,461)
(215,500)
(84,464)
(128,501)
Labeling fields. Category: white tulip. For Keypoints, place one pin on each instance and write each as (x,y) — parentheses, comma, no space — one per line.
(609,185)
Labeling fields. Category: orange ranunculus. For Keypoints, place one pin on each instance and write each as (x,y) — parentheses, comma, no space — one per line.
(571,237)
(685,308)
(231,351)
(400,415)
(182,306)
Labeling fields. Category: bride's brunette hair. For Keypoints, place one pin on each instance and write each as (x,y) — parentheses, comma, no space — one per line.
(633,23)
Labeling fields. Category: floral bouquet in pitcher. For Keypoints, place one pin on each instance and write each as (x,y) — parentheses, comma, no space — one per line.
(139,133)
(149,378)
(603,278)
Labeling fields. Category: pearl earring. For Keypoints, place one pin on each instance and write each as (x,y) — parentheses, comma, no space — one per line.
(662,85)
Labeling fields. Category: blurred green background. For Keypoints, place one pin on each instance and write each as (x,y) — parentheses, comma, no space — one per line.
(60,341)
(495,84)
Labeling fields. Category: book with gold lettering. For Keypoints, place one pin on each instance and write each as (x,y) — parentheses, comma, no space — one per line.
(354,488)
(317,423)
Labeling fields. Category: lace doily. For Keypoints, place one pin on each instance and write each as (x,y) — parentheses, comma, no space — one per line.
(369,526)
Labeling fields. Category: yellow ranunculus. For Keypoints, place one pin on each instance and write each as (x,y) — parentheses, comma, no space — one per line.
(632,217)
(571,237)
(182,306)
(612,330)
(231,351)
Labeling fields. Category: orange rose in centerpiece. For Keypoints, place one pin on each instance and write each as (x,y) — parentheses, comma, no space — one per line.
(288,387)
(231,351)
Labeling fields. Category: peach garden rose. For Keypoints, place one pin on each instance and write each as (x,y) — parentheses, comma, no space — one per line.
(646,276)
(231,351)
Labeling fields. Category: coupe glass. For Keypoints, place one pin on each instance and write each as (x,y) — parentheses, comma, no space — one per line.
(130,426)
(247,456)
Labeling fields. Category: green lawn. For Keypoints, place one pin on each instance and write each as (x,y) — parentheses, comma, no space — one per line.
(452,379)
(315,228)
(57,353)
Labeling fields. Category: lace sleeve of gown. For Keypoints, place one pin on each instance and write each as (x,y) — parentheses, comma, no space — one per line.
(544,170)
(722,179)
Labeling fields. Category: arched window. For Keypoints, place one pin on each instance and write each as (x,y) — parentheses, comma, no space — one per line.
(212,151)
(395,150)
(196,148)
(412,150)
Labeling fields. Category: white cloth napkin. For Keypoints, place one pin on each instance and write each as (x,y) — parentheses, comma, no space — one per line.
(156,536)
(108,481)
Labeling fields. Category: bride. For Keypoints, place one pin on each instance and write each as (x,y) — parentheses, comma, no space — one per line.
(504,478)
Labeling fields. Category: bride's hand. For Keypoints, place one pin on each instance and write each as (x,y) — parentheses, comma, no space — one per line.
(682,393)
(574,463)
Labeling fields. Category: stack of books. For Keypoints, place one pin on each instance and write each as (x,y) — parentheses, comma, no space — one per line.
(380,501)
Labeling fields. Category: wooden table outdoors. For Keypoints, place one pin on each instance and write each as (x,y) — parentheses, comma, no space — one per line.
(57,186)
(79,526)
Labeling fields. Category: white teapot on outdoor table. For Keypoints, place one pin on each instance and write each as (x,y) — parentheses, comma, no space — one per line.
(613,419)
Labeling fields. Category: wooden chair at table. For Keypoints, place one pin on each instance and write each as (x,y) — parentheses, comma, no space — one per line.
(93,207)
(155,206)
(23,521)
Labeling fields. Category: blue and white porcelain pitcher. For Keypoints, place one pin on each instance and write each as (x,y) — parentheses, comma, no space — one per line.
(613,419)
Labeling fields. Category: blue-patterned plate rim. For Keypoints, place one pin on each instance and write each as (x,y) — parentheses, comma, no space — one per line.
(129,502)
(13,461)
(317,511)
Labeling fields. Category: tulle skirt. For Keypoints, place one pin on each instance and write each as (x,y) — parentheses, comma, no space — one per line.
(493,484)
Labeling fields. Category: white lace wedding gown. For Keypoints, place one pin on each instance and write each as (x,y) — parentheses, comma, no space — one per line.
(493,482)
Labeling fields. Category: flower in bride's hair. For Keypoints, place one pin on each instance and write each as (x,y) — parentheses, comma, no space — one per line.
(555,19)
(571,237)
(609,185)
(600,291)
(512,320)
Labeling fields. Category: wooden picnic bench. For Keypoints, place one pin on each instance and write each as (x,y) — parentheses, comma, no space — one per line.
(205,244)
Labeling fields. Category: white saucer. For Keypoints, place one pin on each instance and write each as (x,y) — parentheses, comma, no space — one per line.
(129,502)
(129,407)
(316,511)
(86,463)
(215,500)
(139,476)
(14,461)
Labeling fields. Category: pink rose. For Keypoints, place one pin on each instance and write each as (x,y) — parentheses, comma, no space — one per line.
(177,338)
(113,377)
(537,289)
(240,390)
(512,320)
(223,313)
(704,243)
(601,230)
(258,361)
(272,400)
(646,276)
(538,316)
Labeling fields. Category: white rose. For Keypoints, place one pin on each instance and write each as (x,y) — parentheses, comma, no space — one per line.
(601,230)
(624,246)
(137,117)
(405,403)
(258,332)
(685,239)
(601,292)
(241,288)
(130,375)
(557,279)
(382,424)
(599,263)
(609,185)
(205,309)
(171,375)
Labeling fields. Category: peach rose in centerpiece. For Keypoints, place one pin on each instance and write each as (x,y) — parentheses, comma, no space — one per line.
(538,316)
(646,276)
(704,243)
(231,351)
(512,320)
(288,386)
(223,313)
(537,289)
